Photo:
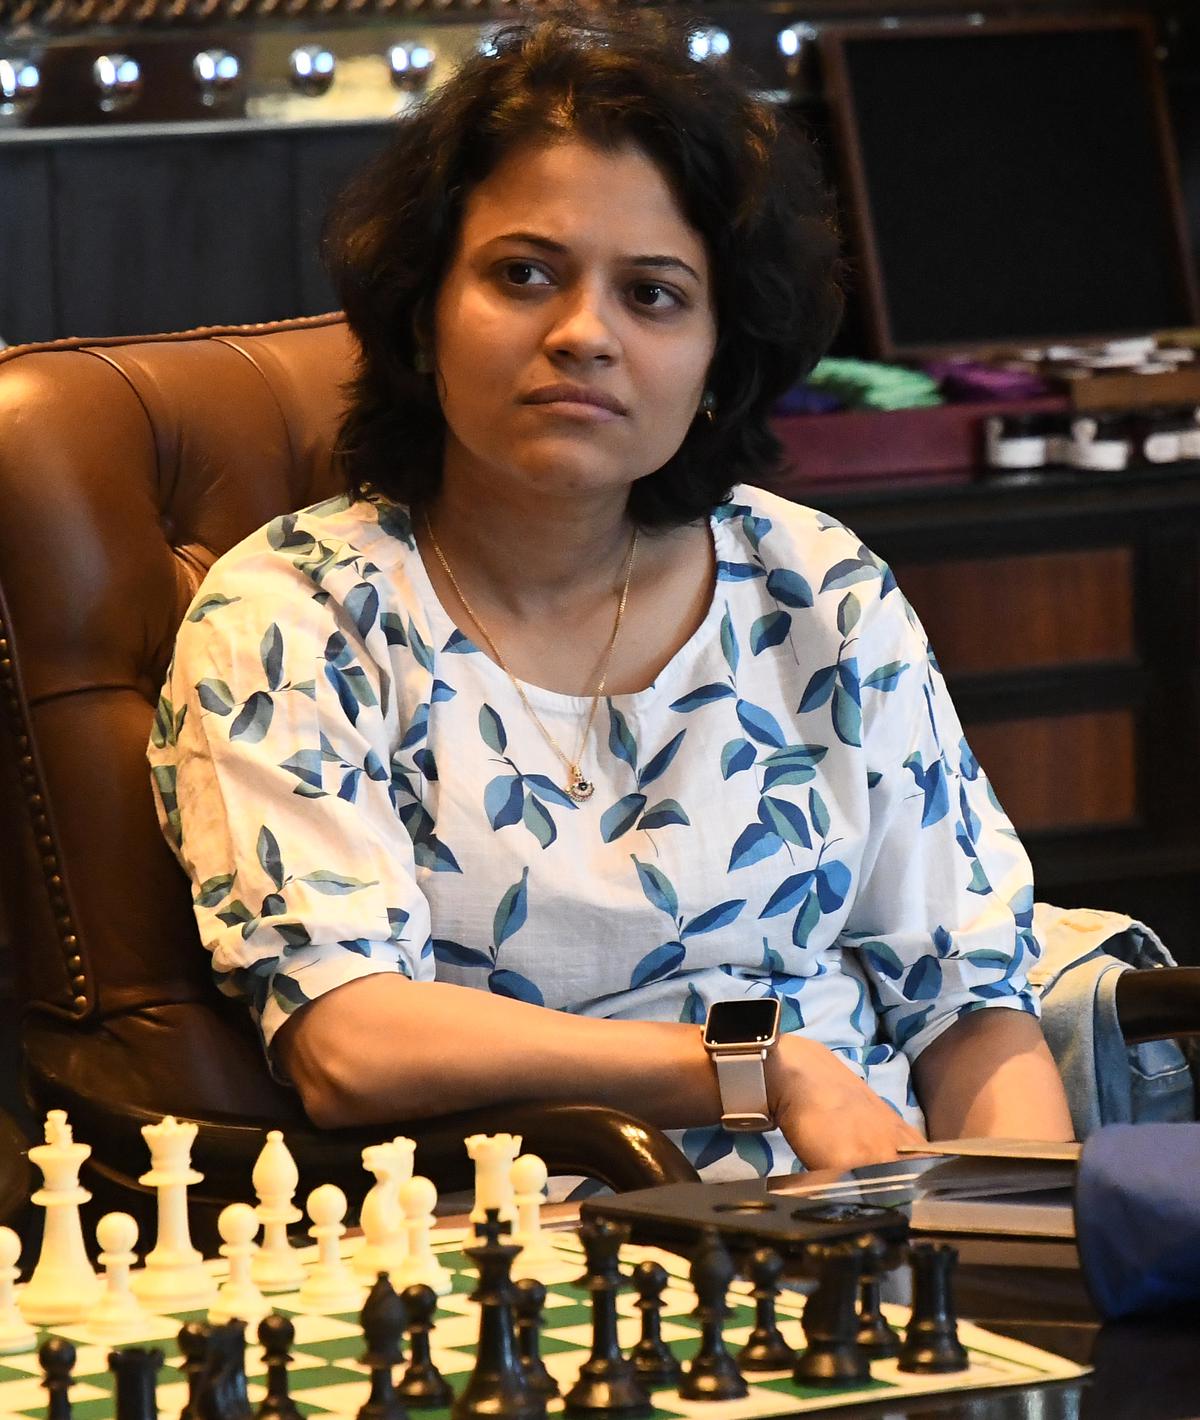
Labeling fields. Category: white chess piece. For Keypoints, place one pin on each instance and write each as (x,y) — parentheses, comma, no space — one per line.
(385,1243)
(63,1286)
(276,1266)
(330,1285)
(529,1176)
(118,1315)
(174,1278)
(494,1155)
(15,1333)
(419,1198)
(239,1296)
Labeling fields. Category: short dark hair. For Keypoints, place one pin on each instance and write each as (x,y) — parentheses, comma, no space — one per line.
(744,177)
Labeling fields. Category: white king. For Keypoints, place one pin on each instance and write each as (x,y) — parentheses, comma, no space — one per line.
(63,1285)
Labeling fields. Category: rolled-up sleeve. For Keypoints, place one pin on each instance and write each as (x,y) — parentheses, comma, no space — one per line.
(270,758)
(943,919)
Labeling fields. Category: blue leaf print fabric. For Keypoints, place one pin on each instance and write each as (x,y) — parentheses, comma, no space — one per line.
(789,810)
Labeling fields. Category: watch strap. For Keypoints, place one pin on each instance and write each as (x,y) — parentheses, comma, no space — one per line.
(742,1081)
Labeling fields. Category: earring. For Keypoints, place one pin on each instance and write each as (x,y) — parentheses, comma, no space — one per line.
(421,361)
(708,406)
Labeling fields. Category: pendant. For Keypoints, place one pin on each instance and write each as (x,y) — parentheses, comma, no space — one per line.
(579,788)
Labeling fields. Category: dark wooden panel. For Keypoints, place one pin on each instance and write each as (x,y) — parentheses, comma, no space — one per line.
(322,162)
(27,304)
(1014,613)
(168,233)
(1062,772)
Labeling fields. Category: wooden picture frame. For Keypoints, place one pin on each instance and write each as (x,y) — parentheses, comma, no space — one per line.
(912,61)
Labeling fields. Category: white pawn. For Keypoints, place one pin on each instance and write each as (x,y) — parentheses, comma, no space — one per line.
(494,1155)
(529,1176)
(419,1198)
(385,1243)
(276,1266)
(330,1285)
(63,1287)
(239,1296)
(15,1333)
(118,1314)
(174,1278)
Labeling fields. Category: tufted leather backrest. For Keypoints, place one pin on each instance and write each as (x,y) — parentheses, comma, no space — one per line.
(126,468)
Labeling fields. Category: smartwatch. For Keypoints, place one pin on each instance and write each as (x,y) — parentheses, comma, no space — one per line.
(738,1035)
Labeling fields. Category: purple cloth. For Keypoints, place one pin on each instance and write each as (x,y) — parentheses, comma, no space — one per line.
(805,399)
(969,381)
(1137,1216)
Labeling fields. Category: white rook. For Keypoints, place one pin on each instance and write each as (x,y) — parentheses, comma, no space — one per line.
(494,1156)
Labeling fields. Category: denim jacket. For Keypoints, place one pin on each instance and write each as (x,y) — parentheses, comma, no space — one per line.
(1107,1081)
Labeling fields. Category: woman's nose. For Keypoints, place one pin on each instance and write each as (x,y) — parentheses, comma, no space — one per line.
(583,328)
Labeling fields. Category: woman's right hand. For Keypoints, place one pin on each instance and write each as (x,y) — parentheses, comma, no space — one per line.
(830,1117)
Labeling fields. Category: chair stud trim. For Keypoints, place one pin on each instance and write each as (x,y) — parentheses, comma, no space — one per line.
(35,802)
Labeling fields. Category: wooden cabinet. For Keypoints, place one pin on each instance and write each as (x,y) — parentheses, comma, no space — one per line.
(1065,611)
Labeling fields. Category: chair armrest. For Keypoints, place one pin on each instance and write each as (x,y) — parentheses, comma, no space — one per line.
(606,1144)
(1157,1003)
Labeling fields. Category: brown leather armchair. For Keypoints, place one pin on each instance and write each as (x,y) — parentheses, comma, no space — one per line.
(126,468)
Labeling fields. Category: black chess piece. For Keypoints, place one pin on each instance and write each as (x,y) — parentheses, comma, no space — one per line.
(275,1335)
(136,1371)
(931,1344)
(193,1347)
(496,1388)
(531,1300)
(57,1358)
(876,1336)
(713,1373)
(766,1349)
(382,1320)
(833,1355)
(423,1387)
(220,1382)
(607,1381)
(653,1360)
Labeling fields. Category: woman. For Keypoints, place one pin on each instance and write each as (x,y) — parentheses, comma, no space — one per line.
(495,774)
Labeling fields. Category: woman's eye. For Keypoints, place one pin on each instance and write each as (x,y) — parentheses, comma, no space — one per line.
(654,296)
(524,273)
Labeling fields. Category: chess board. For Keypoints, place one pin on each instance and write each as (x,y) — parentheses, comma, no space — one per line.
(327,1378)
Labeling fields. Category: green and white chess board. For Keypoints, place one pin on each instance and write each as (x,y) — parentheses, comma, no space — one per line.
(328,1379)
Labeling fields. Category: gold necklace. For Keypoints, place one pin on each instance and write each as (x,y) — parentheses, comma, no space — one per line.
(578,786)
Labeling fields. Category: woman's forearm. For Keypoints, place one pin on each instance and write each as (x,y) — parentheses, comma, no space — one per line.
(991,1074)
(385,1048)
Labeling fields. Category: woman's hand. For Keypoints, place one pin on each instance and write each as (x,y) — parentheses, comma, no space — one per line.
(830,1117)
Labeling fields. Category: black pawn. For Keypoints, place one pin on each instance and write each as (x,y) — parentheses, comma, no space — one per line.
(652,1358)
(607,1381)
(275,1335)
(833,1355)
(136,1371)
(713,1373)
(766,1350)
(876,1337)
(382,1321)
(57,1358)
(496,1388)
(931,1344)
(423,1387)
(531,1300)
(193,1347)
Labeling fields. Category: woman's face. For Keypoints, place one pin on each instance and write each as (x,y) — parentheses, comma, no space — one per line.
(574,328)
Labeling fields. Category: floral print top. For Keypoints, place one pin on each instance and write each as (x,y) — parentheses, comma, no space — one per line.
(789,810)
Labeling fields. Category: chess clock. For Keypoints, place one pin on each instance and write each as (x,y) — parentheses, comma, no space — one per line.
(737,1036)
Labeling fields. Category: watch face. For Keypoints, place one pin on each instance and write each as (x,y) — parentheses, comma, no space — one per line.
(742,1022)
